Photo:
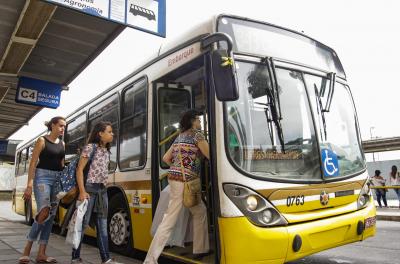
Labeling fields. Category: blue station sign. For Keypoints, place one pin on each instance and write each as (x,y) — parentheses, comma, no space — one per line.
(37,92)
(144,15)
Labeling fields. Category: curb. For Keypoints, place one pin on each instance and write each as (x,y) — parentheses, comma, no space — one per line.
(388,217)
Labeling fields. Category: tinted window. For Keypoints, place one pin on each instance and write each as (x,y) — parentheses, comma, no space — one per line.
(171,103)
(22,162)
(133,127)
(75,135)
(107,110)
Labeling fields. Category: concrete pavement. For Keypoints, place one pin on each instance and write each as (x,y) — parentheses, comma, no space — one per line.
(12,241)
(13,233)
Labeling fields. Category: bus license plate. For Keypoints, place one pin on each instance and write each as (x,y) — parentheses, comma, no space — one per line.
(370,222)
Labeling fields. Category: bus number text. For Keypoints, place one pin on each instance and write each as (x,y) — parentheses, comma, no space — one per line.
(295,200)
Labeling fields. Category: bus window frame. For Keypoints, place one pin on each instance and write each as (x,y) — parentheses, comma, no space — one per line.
(117,107)
(145,79)
(84,113)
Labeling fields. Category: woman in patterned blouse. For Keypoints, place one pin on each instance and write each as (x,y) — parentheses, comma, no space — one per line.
(94,189)
(193,147)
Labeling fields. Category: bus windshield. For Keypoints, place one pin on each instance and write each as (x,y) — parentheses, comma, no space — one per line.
(338,128)
(253,136)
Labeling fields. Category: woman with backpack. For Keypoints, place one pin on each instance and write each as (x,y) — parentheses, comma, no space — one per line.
(44,172)
(94,188)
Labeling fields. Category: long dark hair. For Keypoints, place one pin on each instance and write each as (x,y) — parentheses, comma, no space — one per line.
(53,121)
(95,136)
(394,171)
(187,118)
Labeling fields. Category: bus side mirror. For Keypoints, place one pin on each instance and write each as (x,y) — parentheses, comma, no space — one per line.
(223,76)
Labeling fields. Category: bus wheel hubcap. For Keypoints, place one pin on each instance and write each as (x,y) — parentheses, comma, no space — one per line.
(119,231)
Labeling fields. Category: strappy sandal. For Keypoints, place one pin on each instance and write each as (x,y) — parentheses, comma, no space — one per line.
(24,260)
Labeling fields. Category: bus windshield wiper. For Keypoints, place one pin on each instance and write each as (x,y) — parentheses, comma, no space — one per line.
(269,119)
(274,101)
(320,108)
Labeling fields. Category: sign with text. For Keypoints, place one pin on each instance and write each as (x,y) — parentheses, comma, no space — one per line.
(37,92)
(145,15)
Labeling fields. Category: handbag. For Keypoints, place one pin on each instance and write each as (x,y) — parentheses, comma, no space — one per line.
(191,189)
(68,178)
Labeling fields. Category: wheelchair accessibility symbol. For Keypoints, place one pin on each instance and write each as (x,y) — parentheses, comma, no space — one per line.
(330,163)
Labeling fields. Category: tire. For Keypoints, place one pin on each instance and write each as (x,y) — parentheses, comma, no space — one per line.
(119,226)
(28,213)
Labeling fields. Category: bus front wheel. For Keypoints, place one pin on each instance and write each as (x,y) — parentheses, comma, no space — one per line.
(119,226)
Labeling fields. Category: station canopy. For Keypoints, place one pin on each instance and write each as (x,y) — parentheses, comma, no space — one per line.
(46,42)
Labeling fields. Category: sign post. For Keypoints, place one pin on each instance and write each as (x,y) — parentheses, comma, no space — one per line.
(37,92)
(144,15)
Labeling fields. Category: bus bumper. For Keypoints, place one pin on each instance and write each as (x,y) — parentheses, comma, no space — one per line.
(243,242)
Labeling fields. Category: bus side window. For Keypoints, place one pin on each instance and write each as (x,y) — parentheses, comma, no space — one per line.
(171,103)
(22,162)
(133,129)
(75,135)
(107,110)
(28,161)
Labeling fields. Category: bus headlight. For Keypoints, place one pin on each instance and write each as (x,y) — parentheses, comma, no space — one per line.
(254,206)
(251,202)
(267,216)
(364,196)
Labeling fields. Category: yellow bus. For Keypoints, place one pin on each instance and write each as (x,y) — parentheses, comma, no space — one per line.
(287,175)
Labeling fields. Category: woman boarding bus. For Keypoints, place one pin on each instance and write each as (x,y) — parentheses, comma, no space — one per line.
(286,176)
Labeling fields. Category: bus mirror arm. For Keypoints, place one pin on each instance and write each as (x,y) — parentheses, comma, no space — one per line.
(217,37)
(222,68)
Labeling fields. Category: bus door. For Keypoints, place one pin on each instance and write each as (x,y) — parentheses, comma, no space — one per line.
(172,100)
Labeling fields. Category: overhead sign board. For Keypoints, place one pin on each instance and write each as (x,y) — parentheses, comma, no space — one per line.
(37,92)
(145,15)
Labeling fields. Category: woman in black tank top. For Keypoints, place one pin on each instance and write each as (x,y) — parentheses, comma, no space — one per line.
(43,178)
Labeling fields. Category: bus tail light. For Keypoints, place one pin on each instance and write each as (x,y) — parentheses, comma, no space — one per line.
(254,206)
(364,196)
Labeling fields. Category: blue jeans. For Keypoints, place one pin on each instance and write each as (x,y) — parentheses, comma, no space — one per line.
(101,227)
(397,191)
(381,194)
(45,188)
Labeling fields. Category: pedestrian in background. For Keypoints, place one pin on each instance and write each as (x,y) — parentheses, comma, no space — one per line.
(43,178)
(395,181)
(94,188)
(379,181)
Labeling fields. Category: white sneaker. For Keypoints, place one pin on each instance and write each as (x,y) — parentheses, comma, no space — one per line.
(111,261)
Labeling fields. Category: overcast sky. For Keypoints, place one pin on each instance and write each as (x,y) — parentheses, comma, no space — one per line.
(364,33)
